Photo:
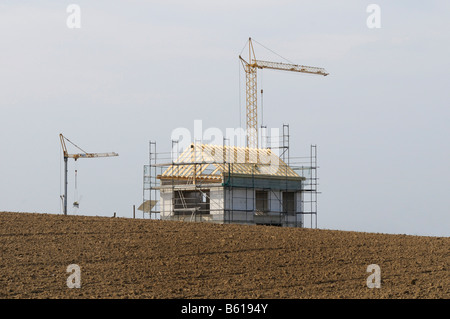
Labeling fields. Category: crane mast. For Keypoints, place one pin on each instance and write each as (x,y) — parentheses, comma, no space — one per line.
(66,156)
(250,68)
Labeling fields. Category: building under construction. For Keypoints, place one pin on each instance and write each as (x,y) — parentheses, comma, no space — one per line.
(230,184)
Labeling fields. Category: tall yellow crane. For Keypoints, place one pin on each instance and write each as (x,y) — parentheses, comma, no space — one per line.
(75,157)
(250,68)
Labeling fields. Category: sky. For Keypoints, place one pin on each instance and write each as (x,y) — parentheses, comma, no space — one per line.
(136,70)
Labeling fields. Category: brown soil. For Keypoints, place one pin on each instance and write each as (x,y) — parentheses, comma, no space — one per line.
(135,258)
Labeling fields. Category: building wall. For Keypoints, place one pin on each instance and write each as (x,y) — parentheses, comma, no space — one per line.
(275,200)
(166,204)
(299,198)
(239,199)
(236,205)
(239,205)
(216,200)
(216,204)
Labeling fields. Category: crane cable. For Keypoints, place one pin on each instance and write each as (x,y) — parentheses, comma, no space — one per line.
(60,181)
(75,145)
(262,105)
(75,195)
(240,98)
(273,52)
(243,47)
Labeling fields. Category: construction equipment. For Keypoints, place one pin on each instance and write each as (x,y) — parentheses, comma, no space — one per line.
(250,68)
(75,157)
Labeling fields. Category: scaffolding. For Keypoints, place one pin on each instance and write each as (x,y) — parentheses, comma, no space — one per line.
(228,184)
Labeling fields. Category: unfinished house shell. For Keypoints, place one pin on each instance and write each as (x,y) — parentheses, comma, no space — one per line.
(228,184)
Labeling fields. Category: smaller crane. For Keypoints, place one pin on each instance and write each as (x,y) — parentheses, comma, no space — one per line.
(75,157)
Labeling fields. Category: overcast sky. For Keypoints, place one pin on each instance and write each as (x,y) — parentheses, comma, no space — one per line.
(136,70)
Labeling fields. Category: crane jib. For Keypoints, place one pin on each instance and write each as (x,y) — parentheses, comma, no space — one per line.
(289,67)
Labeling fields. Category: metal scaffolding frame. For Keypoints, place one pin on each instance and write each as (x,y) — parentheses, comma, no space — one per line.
(196,190)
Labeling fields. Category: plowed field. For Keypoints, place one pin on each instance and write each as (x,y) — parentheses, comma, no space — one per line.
(135,258)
